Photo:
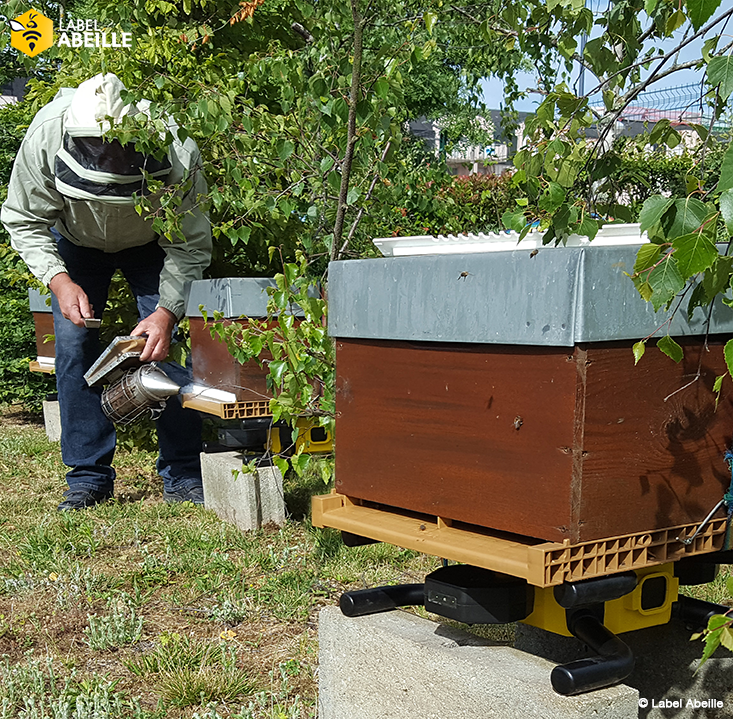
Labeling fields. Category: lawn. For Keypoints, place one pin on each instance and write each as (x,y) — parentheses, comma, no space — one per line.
(144,610)
(140,609)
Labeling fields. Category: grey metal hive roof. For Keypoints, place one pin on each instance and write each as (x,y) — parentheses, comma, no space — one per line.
(560,297)
(235,297)
(232,296)
(37,301)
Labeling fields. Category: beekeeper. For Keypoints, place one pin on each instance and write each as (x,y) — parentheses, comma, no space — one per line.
(71,215)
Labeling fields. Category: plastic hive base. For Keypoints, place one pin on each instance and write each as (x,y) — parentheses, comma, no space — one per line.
(542,564)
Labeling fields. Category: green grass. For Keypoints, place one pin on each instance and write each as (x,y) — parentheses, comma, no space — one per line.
(146,610)
(163,610)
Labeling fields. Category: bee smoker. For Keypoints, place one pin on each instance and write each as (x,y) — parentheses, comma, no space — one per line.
(133,389)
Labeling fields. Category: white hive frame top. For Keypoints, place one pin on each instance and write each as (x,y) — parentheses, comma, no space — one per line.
(609,235)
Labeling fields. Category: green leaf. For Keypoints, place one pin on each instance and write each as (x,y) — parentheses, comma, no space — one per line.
(728,354)
(300,463)
(514,221)
(726,638)
(277,370)
(729,580)
(726,171)
(326,164)
(700,11)
(666,281)
(717,386)
(709,46)
(646,257)
(726,209)
(675,20)
(352,196)
(712,642)
(552,197)
(720,74)
(588,228)
(717,621)
(716,279)
(281,464)
(653,210)
(701,130)
(429,18)
(689,215)
(667,345)
(694,253)
(660,129)
(381,87)
(698,298)
(639,348)
(608,99)
(285,149)
(645,290)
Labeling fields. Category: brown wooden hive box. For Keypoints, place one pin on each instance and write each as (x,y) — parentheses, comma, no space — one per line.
(521,411)
(43,327)
(543,442)
(236,299)
(213,365)
(43,322)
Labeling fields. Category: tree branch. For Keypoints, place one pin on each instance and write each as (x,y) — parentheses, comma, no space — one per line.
(352,138)
(368,195)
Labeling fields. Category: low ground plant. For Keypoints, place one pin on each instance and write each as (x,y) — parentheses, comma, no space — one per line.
(120,627)
(230,618)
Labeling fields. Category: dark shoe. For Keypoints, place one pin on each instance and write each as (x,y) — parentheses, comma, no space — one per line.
(193,494)
(75,499)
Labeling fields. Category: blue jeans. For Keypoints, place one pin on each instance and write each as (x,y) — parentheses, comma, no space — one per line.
(87,437)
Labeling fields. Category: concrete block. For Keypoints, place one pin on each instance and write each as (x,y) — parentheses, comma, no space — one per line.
(395,665)
(664,674)
(244,499)
(52,420)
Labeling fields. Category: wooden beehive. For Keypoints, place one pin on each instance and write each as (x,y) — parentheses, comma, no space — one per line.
(43,323)
(507,398)
(236,298)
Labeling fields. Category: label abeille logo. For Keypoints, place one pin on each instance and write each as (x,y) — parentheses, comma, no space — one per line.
(31,33)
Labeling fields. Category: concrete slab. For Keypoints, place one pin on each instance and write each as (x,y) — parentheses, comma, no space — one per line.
(244,499)
(664,675)
(52,420)
(395,665)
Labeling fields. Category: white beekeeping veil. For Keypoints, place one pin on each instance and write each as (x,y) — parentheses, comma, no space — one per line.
(88,167)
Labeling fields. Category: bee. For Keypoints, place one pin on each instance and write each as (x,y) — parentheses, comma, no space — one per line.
(518,422)
(533,253)
(30,32)
(464,274)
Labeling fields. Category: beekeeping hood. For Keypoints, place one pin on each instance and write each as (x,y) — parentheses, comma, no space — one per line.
(90,167)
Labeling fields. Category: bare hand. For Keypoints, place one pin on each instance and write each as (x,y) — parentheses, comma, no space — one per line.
(158,327)
(72,299)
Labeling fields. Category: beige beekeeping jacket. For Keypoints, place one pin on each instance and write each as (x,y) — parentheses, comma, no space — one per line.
(34,205)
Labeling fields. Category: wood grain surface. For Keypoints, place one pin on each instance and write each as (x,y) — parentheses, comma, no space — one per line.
(648,463)
(544,442)
(215,367)
(459,432)
(44,326)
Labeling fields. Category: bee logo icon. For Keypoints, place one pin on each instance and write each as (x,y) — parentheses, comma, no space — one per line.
(31,33)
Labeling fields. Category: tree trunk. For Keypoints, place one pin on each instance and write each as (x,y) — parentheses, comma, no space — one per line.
(338,227)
